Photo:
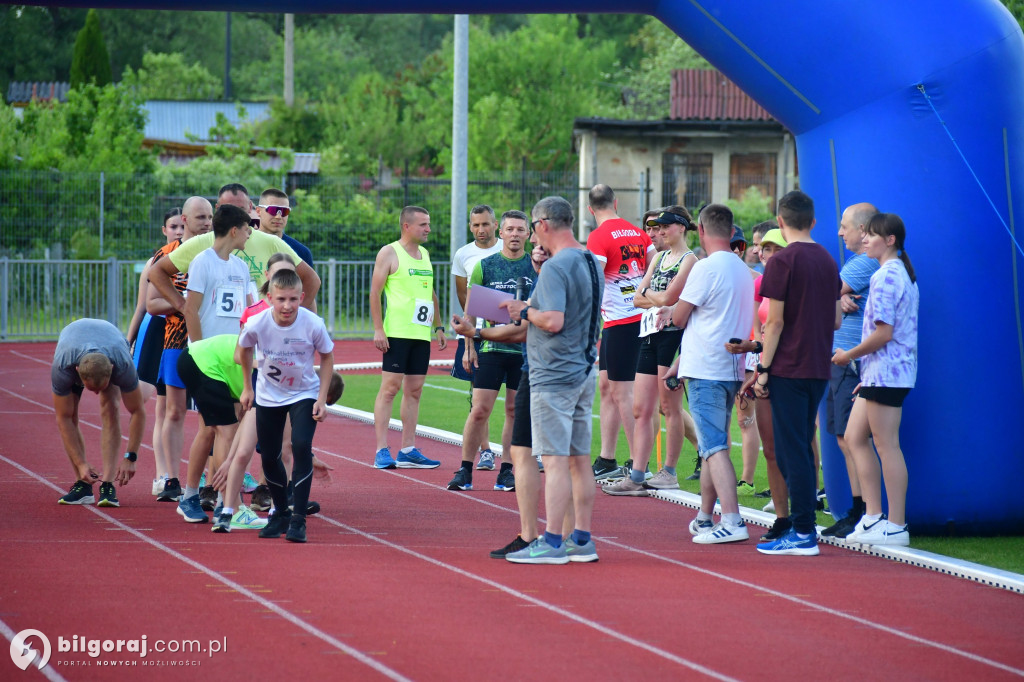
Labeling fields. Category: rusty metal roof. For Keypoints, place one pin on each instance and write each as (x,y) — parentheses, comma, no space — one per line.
(706,94)
(23,92)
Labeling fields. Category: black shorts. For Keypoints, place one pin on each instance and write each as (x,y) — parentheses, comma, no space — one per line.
(458,371)
(150,349)
(620,349)
(658,350)
(212,397)
(839,398)
(884,395)
(522,432)
(497,368)
(407,356)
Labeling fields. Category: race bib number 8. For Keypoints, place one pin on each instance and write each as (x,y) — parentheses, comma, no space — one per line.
(423,313)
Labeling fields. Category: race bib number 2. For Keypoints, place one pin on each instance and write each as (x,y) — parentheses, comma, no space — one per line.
(423,313)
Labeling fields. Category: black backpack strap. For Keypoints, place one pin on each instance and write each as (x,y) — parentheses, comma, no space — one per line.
(595,310)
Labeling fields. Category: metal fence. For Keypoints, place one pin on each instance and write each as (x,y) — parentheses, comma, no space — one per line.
(91,216)
(38,298)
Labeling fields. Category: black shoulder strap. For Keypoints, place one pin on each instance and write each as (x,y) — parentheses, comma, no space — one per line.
(595,311)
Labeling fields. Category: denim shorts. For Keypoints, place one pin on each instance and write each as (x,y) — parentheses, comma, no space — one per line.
(562,420)
(711,407)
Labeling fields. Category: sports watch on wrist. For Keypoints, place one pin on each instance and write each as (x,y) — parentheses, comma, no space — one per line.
(131,456)
(761,369)
(524,314)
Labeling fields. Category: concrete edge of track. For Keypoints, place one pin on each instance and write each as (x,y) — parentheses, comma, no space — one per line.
(986,575)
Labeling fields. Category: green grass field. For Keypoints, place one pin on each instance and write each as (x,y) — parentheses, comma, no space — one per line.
(445,404)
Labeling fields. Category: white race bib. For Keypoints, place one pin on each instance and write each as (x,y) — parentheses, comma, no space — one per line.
(649,322)
(230,302)
(282,375)
(423,313)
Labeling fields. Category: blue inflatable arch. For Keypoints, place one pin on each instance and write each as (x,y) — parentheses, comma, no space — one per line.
(918,107)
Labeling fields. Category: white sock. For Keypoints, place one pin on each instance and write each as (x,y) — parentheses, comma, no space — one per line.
(703,515)
(868,519)
(407,450)
(733,520)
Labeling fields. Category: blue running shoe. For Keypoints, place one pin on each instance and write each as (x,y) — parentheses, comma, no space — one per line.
(383,459)
(415,460)
(191,511)
(790,544)
(486,460)
(580,553)
(539,552)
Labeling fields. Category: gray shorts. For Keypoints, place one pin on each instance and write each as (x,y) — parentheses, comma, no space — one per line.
(562,420)
(839,399)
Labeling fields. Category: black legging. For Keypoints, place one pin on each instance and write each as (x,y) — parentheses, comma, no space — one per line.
(269,430)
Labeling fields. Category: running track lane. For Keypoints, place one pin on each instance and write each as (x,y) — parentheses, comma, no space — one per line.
(396,576)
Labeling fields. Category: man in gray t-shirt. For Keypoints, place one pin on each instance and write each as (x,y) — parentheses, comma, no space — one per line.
(562,315)
(94,355)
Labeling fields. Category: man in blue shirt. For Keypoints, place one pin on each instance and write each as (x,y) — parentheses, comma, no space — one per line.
(856,276)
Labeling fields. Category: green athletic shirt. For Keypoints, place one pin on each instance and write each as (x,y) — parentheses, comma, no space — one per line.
(215,357)
(258,250)
(409,295)
(501,273)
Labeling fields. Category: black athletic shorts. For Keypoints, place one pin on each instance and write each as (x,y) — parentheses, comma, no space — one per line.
(620,349)
(658,350)
(212,397)
(150,349)
(407,356)
(884,395)
(522,432)
(496,368)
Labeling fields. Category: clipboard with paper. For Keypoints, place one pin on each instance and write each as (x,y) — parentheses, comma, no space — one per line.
(484,304)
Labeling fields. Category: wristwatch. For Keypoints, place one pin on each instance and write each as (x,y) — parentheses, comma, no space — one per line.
(477,335)
(761,369)
(643,292)
(131,456)
(525,313)
(438,329)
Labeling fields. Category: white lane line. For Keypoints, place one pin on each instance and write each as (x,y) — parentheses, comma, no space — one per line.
(49,672)
(29,357)
(269,605)
(736,581)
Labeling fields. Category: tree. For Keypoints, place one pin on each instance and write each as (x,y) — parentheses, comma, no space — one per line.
(1016,8)
(90,62)
(166,76)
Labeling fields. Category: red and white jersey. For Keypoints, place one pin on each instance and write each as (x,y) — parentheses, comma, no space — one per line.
(624,249)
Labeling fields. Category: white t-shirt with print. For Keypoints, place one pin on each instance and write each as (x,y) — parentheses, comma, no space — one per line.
(286,356)
(722,292)
(224,285)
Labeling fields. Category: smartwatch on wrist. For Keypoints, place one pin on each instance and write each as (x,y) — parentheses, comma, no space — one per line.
(438,329)
(524,313)
(477,335)
(131,456)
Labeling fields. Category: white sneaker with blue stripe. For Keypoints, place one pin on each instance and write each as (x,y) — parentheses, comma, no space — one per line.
(722,532)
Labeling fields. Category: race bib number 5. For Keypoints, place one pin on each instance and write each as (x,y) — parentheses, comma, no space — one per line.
(423,313)
(230,301)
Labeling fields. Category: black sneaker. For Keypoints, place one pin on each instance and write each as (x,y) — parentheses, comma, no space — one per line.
(172,491)
(695,476)
(296,529)
(208,498)
(603,468)
(108,496)
(778,529)
(277,525)
(463,480)
(764,494)
(506,480)
(261,499)
(842,527)
(222,524)
(80,493)
(312,508)
(514,546)
(820,500)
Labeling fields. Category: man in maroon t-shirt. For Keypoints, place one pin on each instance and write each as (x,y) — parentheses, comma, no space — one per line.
(802,284)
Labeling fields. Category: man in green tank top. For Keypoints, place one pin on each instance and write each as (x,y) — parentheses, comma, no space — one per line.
(497,363)
(402,331)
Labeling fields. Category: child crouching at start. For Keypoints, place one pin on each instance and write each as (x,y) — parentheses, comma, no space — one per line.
(286,336)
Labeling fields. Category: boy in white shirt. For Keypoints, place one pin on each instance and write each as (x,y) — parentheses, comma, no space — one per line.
(287,388)
(219,282)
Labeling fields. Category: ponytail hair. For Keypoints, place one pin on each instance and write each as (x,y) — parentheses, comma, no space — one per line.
(886,224)
(274,259)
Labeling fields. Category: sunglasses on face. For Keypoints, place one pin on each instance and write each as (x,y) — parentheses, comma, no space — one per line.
(276,210)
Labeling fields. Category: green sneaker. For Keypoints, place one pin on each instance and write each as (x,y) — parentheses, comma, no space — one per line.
(246,519)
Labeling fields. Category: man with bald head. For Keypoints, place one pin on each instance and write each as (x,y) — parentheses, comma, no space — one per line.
(197,214)
(856,276)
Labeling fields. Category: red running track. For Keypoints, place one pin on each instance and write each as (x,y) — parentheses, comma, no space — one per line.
(396,583)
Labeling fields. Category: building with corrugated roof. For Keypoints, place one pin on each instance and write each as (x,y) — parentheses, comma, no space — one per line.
(716,143)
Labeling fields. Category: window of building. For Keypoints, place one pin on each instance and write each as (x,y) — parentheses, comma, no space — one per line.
(686,179)
(752,170)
